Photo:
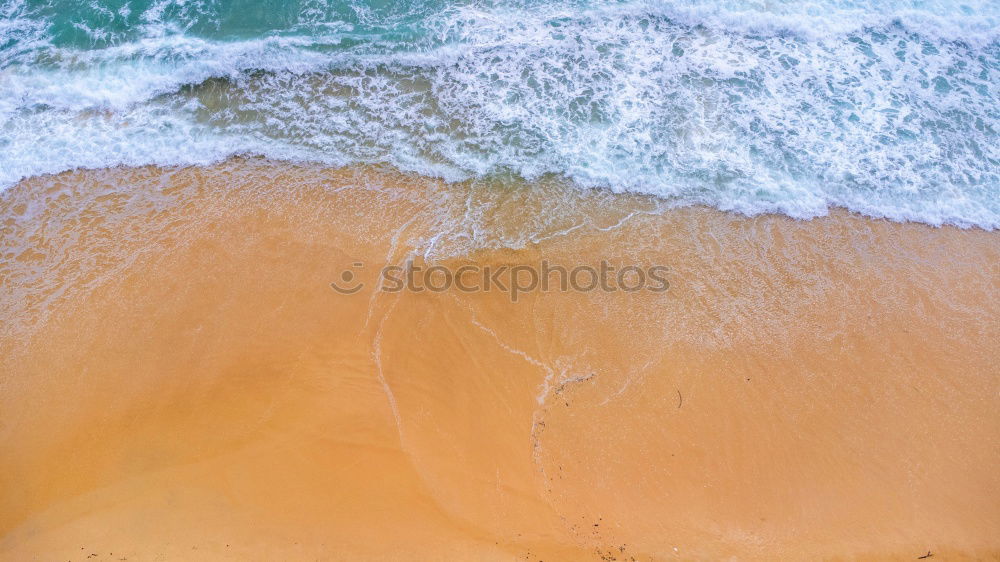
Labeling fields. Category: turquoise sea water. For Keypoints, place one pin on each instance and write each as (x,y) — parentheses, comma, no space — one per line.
(889,108)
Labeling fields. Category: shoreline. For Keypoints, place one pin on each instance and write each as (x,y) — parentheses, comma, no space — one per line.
(668,203)
(805,389)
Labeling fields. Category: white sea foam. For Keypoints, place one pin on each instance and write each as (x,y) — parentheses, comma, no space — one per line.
(886,108)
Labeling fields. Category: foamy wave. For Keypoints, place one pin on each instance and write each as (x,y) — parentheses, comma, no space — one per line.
(974,22)
(882,108)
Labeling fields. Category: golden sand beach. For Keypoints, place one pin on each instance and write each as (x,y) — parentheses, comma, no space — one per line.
(179,381)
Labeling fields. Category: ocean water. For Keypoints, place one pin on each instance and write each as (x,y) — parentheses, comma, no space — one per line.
(888,108)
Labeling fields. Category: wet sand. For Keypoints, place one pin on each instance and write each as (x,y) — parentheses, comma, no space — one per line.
(178,380)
